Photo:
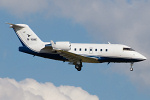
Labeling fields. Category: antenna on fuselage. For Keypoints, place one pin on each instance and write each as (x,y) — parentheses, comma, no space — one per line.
(109,43)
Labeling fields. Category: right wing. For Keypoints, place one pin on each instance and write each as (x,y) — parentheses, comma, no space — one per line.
(72,57)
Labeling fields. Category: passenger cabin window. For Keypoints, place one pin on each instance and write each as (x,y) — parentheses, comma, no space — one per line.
(90,49)
(95,49)
(80,49)
(106,50)
(101,50)
(85,49)
(75,49)
(128,49)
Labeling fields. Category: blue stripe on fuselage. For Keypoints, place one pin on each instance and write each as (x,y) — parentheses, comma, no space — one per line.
(44,55)
(113,59)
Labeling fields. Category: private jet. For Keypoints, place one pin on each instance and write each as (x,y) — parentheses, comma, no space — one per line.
(74,53)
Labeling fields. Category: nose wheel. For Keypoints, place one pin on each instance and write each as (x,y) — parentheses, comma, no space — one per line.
(131,68)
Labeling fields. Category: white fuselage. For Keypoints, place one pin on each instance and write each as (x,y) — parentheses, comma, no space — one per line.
(118,52)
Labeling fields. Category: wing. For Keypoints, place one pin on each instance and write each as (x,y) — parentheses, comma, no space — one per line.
(72,57)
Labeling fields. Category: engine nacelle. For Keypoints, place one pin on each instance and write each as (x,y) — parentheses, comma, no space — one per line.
(62,46)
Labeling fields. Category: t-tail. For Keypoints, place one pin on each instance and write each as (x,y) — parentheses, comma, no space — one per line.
(27,37)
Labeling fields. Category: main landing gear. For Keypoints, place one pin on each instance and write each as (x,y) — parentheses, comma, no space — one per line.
(78,66)
(131,68)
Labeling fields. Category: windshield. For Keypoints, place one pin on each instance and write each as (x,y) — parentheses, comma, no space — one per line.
(128,49)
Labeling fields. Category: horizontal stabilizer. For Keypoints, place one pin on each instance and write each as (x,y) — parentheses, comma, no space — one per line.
(16,25)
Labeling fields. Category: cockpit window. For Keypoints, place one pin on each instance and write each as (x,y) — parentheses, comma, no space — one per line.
(128,49)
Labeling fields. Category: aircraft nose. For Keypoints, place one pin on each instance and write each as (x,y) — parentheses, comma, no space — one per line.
(142,57)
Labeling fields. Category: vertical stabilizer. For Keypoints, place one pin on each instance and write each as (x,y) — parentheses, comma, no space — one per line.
(27,37)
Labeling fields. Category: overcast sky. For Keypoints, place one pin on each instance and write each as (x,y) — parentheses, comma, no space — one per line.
(86,21)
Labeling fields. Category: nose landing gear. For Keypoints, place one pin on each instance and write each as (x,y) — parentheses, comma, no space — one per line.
(131,68)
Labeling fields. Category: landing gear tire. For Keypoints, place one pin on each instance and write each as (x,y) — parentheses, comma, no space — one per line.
(131,69)
(78,67)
